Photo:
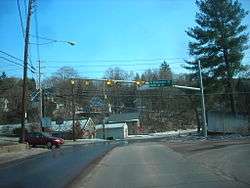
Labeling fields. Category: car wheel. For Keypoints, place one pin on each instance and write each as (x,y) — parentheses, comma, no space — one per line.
(49,145)
(33,145)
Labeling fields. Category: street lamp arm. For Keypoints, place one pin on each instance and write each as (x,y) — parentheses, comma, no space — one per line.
(52,41)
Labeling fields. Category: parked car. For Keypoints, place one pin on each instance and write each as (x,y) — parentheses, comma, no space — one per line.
(41,138)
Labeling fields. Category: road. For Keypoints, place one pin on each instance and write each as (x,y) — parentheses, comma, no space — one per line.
(155,164)
(53,169)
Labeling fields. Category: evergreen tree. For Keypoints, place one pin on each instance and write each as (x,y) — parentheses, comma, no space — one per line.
(165,71)
(219,41)
(3,76)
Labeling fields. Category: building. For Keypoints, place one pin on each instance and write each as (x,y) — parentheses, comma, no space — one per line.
(131,119)
(12,129)
(112,131)
(85,128)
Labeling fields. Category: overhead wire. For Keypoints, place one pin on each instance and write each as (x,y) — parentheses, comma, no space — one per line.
(6,59)
(17,59)
(25,8)
(20,17)
(37,41)
(16,63)
(151,95)
(22,27)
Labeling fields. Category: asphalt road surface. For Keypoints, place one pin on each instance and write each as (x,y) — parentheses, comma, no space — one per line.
(52,169)
(154,164)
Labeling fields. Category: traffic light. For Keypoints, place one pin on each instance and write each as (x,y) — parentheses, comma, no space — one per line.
(139,82)
(86,82)
(109,82)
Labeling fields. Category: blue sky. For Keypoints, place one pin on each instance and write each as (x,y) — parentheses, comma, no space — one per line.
(103,30)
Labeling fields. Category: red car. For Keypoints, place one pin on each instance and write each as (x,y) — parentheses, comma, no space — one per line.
(41,138)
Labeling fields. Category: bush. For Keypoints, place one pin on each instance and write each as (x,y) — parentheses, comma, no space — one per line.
(18,131)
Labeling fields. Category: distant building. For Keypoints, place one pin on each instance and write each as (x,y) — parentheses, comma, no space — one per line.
(112,131)
(9,129)
(64,130)
(131,119)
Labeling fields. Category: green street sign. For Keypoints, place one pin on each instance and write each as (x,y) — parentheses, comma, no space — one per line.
(160,83)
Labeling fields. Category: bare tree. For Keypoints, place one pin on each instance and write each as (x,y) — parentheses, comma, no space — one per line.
(116,74)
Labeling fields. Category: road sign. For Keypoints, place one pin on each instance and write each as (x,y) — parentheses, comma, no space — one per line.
(160,83)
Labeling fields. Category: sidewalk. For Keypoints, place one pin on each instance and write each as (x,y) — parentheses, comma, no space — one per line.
(83,141)
(18,151)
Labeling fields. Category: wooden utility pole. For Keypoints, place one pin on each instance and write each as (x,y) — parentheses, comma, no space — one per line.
(25,67)
(73,109)
(204,128)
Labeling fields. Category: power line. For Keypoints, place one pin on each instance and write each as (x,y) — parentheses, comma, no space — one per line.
(16,58)
(40,44)
(18,64)
(6,59)
(150,62)
(25,7)
(108,60)
(111,94)
(37,39)
(20,17)
(113,65)
(22,26)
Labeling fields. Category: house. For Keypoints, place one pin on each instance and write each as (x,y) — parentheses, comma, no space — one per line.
(112,131)
(131,119)
(85,128)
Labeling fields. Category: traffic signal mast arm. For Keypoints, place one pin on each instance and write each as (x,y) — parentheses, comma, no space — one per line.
(187,87)
(137,82)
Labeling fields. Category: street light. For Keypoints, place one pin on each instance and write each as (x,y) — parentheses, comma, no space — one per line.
(72,43)
(87,82)
(39,71)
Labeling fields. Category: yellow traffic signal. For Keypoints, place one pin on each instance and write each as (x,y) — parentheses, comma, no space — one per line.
(139,82)
(86,82)
(109,82)
(72,82)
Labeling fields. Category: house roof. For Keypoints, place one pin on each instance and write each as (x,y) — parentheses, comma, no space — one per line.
(67,125)
(123,117)
(111,125)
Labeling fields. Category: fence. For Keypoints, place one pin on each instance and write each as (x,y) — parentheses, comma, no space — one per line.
(228,123)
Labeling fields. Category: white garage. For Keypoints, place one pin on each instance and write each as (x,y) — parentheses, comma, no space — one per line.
(112,131)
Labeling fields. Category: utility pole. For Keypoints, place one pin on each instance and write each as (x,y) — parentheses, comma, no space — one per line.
(39,73)
(103,121)
(25,66)
(203,102)
(73,109)
(40,95)
(43,102)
